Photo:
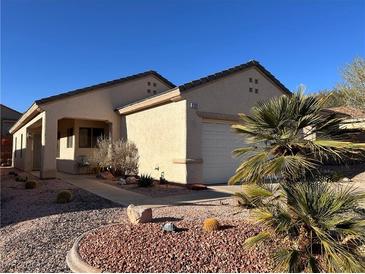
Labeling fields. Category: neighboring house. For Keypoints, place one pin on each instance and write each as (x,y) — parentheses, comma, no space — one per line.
(9,117)
(353,121)
(182,131)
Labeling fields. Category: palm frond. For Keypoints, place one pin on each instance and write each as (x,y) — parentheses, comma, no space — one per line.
(257,239)
(288,260)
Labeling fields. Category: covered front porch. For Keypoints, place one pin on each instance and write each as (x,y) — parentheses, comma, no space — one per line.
(66,146)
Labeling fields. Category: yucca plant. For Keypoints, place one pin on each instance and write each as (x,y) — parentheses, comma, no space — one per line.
(288,138)
(323,226)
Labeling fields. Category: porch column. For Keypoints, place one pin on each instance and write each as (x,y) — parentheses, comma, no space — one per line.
(28,163)
(49,147)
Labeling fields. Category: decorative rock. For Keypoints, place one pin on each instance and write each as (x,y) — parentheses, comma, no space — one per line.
(346,180)
(122,181)
(131,180)
(139,214)
(169,227)
(107,176)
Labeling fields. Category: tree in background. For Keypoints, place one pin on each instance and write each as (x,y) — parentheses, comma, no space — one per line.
(351,92)
(354,83)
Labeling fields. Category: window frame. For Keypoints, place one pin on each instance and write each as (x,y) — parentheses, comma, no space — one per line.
(69,137)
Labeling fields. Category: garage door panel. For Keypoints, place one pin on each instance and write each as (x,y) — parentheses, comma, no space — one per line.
(218,142)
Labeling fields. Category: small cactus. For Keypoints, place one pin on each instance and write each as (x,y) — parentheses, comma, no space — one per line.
(31,184)
(211,224)
(65,196)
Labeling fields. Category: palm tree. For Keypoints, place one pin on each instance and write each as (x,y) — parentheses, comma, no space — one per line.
(322,225)
(288,137)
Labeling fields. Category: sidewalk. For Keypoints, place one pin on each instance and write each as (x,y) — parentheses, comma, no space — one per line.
(125,197)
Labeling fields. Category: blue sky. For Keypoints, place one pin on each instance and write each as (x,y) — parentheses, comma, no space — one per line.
(52,46)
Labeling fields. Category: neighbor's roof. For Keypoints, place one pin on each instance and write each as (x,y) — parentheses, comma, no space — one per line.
(105,84)
(9,108)
(347,111)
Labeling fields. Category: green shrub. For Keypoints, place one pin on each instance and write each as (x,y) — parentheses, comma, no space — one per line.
(145,181)
(31,184)
(65,196)
(21,179)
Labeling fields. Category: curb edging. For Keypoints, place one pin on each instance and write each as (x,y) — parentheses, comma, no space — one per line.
(74,260)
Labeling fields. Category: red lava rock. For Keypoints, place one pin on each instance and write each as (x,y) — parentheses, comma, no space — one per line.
(145,248)
(107,176)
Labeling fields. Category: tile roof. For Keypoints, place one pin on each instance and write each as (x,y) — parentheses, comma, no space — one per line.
(105,84)
(347,111)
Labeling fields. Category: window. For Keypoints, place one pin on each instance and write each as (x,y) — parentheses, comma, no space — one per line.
(256,81)
(154,92)
(148,90)
(96,133)
(21,145)
(154,84)
(250,89)
(148,83)
(89,136)
(85,137)
(250,79)
(256,90)
(15,151)
(70,134)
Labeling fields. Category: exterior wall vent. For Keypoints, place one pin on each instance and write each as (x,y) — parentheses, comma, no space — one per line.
(194,105)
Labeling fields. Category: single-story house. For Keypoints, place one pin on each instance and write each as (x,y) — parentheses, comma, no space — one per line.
(183,131)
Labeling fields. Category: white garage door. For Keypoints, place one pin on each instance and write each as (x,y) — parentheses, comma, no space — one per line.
(218,142)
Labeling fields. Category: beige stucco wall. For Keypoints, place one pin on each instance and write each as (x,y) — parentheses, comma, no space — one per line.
(97,104)
(160,136)
(228,95)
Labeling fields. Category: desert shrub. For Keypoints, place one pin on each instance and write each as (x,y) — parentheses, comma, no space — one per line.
(65,196)
(163,181)
(30,184)
(21,179)
(119,157)
(145,181)
(211,224)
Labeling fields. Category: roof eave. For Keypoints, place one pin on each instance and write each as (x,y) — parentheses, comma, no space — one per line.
(34,108)
(171,96)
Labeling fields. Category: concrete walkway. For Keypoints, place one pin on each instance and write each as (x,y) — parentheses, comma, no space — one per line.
(125,197)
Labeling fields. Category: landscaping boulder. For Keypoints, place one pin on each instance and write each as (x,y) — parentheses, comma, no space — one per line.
(139,214)
(107,176)
(122,181)
(169,227)
(131,180)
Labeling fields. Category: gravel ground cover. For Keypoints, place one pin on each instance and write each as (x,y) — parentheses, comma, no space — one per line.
(36,233)
(145,248)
